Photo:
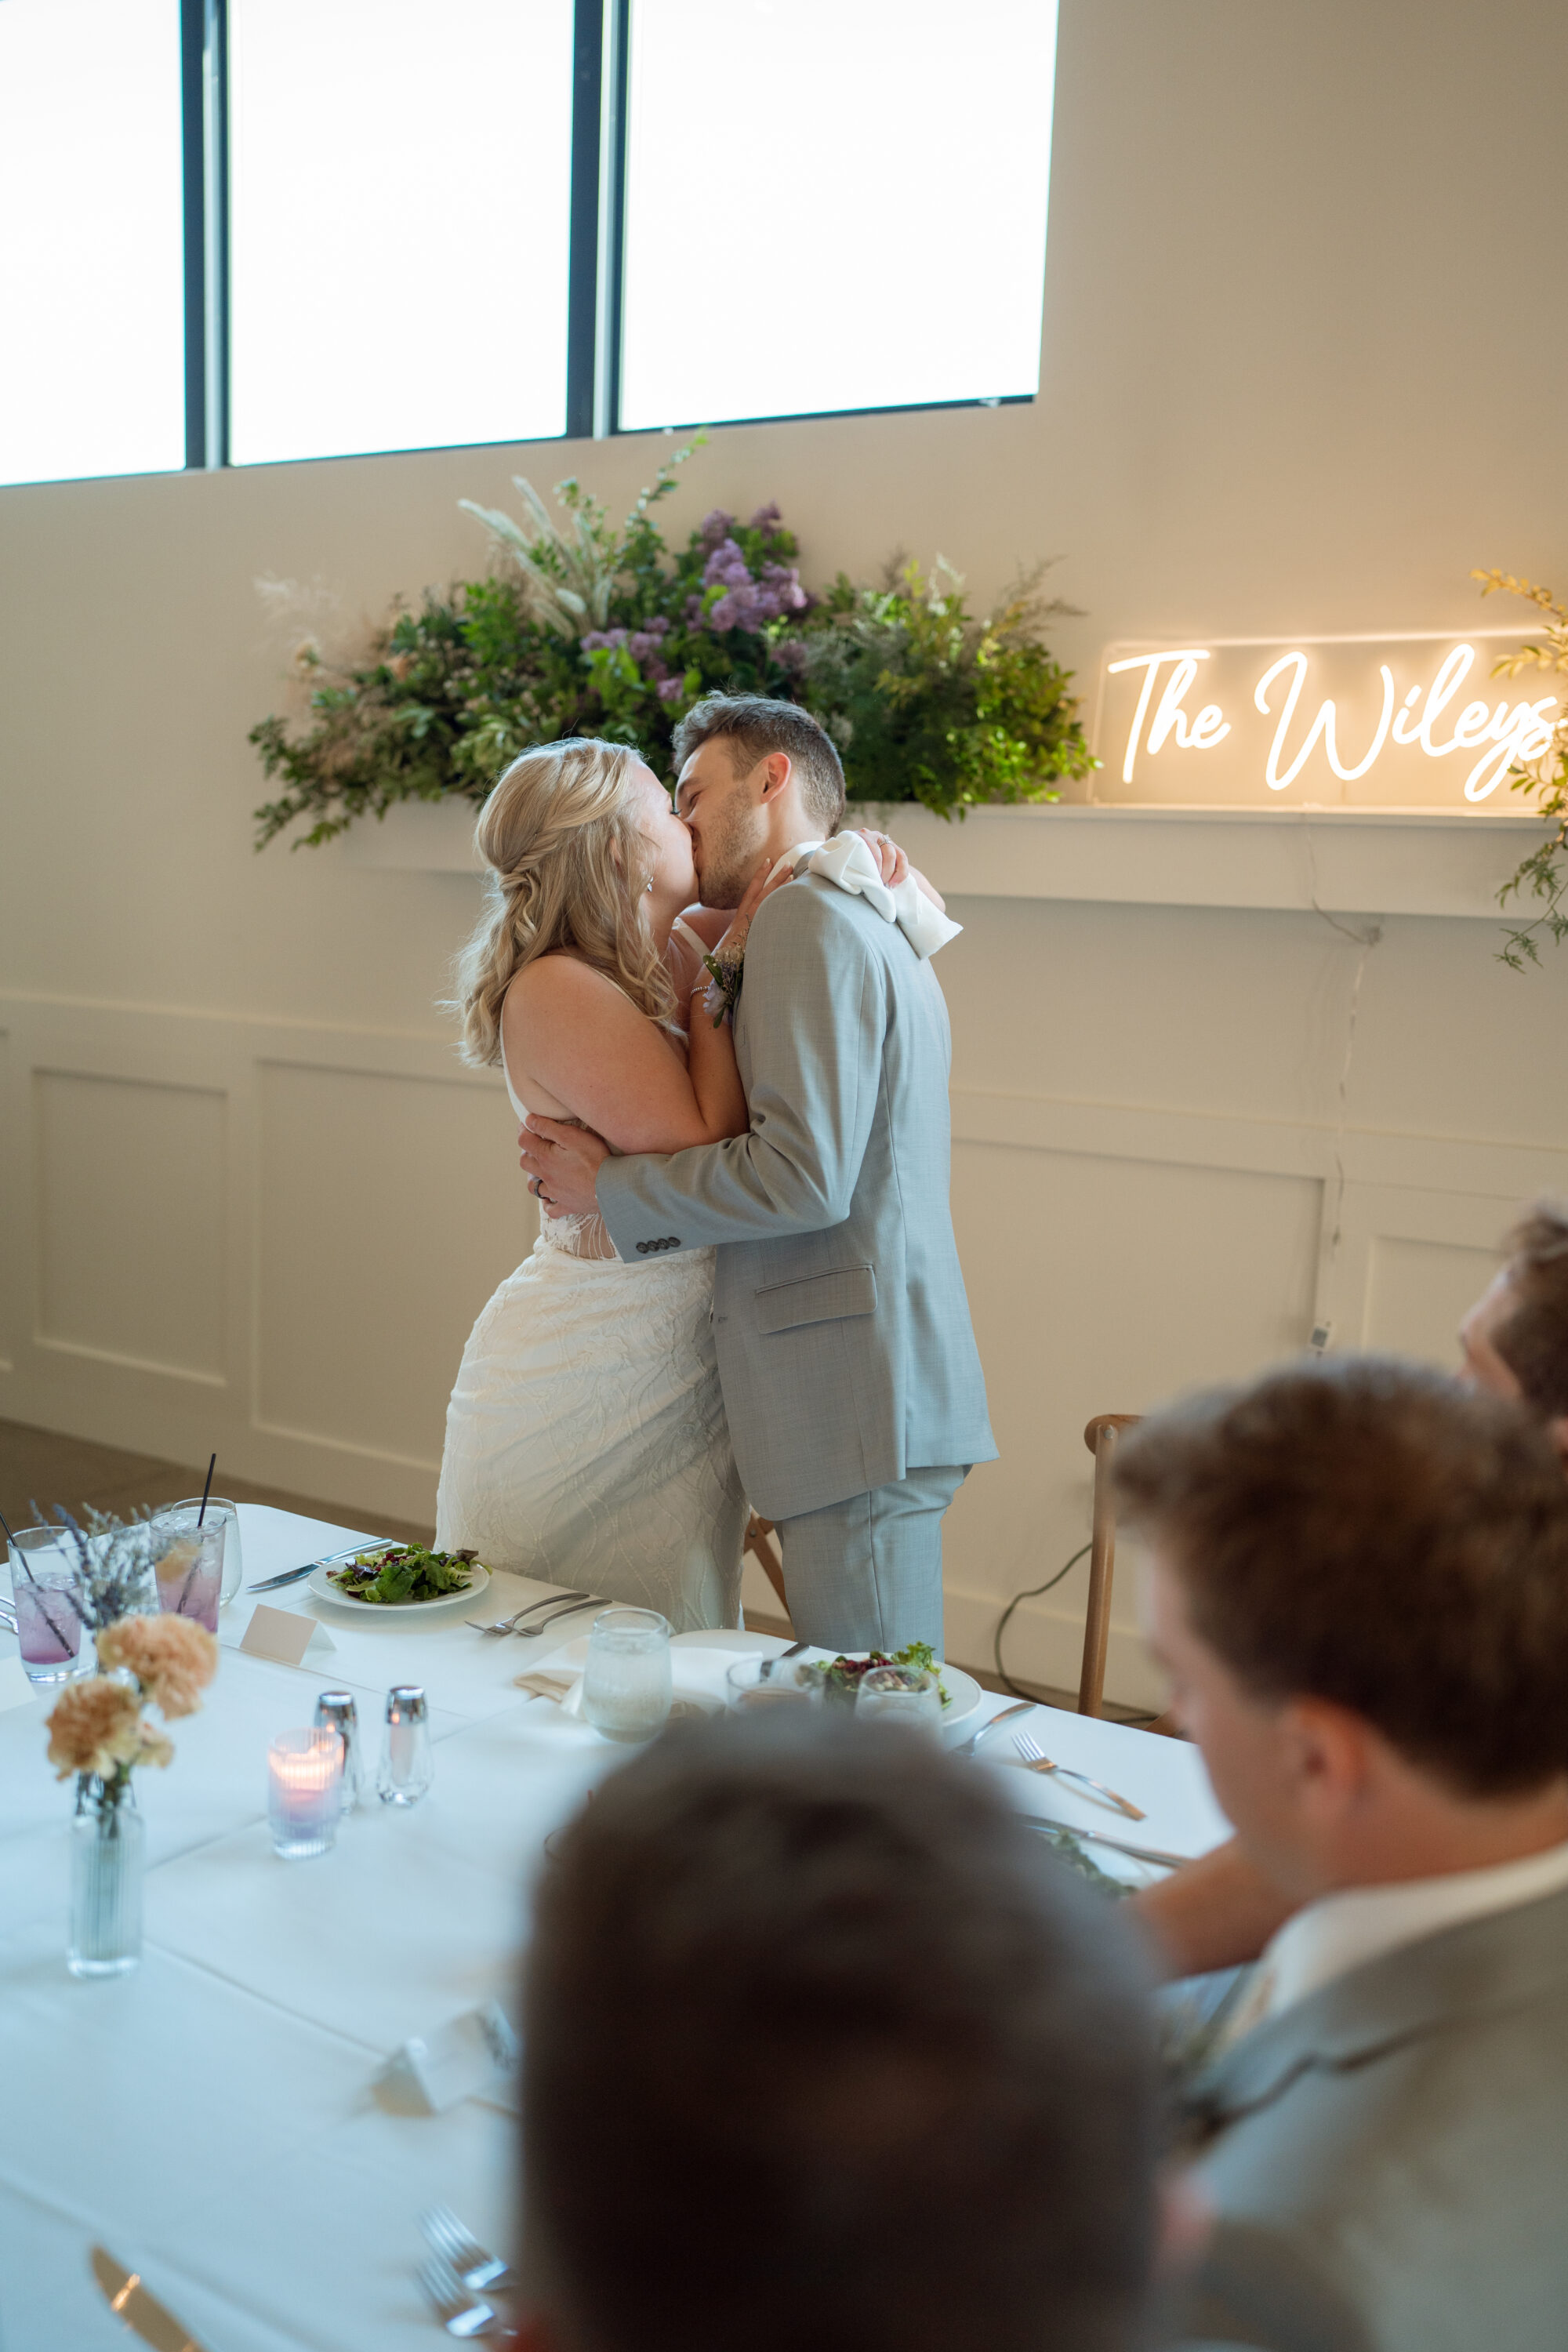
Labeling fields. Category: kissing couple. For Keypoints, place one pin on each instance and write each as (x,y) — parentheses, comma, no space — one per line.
(745,1288)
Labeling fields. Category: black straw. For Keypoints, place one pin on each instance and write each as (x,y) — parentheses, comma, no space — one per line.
(206,1490)
(5,1523)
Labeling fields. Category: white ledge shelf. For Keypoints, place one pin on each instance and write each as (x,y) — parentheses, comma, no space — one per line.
(1382,861)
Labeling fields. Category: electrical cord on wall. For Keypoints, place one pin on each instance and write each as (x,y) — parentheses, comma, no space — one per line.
(1033,1595)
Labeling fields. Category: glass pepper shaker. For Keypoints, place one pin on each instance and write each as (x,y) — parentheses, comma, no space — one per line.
(407,1764)
(336,1711)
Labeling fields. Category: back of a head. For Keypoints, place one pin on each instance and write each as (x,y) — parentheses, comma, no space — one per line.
(1533,1336)
(753,725)
(805,1999)
(1367,1531)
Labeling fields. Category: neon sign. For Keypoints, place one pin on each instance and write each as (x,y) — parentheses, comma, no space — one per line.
(1321,716)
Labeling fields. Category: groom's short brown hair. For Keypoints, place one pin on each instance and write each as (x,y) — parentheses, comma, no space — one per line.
(823,2049)
(753,725)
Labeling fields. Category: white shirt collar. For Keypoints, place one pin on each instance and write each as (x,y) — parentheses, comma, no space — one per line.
(1344,1930)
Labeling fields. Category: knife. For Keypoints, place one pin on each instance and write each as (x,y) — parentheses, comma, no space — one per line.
(292,1575)
(123,2292)
(1155,1853)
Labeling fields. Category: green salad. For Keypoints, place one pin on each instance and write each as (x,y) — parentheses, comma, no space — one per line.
(403,1572)
(842,1675)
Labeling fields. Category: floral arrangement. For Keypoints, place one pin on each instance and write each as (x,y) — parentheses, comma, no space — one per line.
(1543,875)
(113,1560)
(581,628)
(98,1728)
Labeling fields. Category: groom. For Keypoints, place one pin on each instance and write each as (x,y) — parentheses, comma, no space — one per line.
(849,1370)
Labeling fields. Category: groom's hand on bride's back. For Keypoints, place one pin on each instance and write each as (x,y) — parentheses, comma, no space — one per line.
(562,1164)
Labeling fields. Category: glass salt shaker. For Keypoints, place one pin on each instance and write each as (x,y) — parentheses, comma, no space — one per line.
(336,1711)
(407,1765)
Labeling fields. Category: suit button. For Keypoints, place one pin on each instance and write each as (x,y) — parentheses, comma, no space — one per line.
(674,1242)
(642,1249)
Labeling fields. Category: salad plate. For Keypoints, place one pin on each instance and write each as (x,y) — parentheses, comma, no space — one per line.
(320,1582)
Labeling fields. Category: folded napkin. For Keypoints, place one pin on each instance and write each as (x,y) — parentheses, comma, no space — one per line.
(850,863)
(544,1685)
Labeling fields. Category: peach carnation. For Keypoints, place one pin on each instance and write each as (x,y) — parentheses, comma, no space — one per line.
(173,1658)
(96,1727)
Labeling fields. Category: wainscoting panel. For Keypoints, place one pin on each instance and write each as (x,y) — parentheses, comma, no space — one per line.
(390,1207)
(1102,1286)
(129,1206)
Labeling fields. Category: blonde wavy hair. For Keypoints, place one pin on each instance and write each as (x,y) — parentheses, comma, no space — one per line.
(569,866)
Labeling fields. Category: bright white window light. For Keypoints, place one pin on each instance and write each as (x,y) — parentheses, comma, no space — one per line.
(833,204)
(91,246)
(399,205)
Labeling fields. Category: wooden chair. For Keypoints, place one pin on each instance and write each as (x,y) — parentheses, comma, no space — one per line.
(1100,1437)
(766,1553)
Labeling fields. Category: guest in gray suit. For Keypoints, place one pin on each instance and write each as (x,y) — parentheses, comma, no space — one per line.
(1360,1590)
(846,1356)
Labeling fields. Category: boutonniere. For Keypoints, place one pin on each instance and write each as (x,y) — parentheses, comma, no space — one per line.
(725,973)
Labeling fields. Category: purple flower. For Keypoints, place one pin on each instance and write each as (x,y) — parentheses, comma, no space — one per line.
(669,689)
(790,655)
(766,518)
(725,614)
(785,581)
(602,640)
(726,566)
(715,527)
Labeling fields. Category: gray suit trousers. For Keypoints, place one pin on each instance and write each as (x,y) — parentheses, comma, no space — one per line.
(866,1573)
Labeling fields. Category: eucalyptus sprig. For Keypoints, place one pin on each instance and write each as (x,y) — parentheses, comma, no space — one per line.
(1543,876)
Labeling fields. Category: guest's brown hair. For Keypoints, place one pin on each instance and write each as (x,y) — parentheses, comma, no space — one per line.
(753,725)
(1532,1339)
(824,2050)
(1368,1531)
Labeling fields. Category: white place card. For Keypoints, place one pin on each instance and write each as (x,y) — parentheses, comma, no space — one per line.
(16,1690)
(284,1635)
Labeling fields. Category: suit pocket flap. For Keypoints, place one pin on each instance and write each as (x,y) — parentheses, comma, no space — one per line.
(819,1298)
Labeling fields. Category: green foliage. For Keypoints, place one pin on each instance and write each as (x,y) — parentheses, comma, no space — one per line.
(581,628)
(1543,876)
(927,703)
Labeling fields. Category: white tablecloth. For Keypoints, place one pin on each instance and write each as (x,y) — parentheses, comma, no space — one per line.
(211,2118)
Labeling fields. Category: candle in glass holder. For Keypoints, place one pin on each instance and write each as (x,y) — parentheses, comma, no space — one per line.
(304,1791)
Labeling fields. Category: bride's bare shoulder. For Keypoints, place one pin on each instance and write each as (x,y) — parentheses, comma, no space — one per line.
(562,985)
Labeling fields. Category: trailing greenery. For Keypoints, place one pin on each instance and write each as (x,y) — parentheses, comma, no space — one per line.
(581,628)
(1543,876)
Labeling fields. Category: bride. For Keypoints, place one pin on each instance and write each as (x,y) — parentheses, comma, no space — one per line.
(586,1442)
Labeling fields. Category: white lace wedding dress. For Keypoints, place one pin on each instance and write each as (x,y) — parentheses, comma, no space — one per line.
(586,1442)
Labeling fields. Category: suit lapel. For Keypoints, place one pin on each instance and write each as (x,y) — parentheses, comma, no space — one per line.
(1486,1965)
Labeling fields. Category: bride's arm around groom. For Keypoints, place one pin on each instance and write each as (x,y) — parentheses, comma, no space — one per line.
(849,1370)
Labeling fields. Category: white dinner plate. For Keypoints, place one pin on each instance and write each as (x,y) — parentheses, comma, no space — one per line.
(317,1583)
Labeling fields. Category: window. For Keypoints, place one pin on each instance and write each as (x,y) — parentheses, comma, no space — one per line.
(833,203)
(91,250)
(400,183)
(243,231)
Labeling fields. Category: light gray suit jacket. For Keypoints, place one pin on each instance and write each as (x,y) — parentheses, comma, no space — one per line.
(845,1348)
(1394,2147)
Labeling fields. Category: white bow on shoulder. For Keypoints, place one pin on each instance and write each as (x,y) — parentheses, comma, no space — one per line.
(849,862)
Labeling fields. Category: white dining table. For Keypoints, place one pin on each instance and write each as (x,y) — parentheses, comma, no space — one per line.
(217,2119)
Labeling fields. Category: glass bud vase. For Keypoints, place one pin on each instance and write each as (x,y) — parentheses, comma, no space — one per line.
(108,1851)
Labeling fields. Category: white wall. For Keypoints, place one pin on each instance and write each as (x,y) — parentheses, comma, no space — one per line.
(1301,360)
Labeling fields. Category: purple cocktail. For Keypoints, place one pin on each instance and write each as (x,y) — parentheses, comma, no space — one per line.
(48,1623)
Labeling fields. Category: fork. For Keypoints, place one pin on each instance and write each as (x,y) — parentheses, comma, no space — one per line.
(1035,1757)
(460,2312)
(532,1633)
(475,2266)
(509,1624)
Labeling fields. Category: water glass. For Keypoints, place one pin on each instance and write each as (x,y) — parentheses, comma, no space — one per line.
(227,1517)
(48,1621)
(752,1685)
(407,1760)
(304,1792)
(187,1561)
(900,1695)
(626,1681)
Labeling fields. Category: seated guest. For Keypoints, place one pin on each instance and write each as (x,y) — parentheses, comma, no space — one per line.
(1359,1588)
(818,2056)
(1514,1341)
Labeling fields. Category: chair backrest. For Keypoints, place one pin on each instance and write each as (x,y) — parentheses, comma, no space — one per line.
(1100,1437)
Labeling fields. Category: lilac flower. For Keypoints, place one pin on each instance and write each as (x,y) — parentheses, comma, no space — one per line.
(602,640)
(669,689)
(726,566)
(767,518)
(790,655)
(785,581)
(725,614)
(715,527)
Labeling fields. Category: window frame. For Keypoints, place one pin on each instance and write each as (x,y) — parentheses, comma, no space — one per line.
(595,260)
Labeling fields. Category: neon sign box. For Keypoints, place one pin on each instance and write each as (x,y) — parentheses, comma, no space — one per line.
(1374,722)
